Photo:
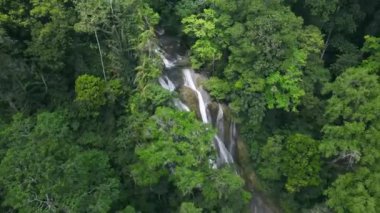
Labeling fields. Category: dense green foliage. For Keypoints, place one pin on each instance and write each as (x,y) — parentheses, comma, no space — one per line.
(86,127)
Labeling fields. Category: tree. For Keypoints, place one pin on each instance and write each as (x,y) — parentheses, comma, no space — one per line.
(90,93)
(267,67)
(355,192)
(39,38)
(119,37)
(47,26)
(185,8)
(224,190)
(303,163)
(52,125)
(92,15)
(343,23)
(54,176)
(295,157)
(204,27)
(204,51)
(15,133)
(178,148)
(189,208)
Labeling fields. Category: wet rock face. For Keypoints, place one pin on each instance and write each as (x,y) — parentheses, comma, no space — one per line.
(183,62)
(213,108)
(172,45)
(189,97)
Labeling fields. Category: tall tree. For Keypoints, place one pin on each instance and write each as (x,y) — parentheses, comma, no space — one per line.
(296,158)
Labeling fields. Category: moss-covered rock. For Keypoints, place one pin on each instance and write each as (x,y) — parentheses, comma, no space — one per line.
(189,97)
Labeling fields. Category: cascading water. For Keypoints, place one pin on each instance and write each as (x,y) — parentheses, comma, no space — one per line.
(225,155)
(166,83)
(180,105)
(203,98)
(220,121)
(168,64)
(190,79)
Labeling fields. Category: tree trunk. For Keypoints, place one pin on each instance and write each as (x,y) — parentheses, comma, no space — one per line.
(327,42)
(101,56)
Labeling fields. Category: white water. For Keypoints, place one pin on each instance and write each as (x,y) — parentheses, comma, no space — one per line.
(220,122)
(202,99)
(233,136)
(166,83)
(224,153)
(168,64)
(180,105)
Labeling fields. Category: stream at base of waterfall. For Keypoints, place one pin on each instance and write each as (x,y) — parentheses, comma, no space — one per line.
(178,76)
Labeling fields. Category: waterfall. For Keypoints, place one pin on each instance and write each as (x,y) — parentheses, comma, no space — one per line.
(203,101)
(190,80)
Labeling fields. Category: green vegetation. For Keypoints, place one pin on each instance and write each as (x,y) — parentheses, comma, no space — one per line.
(86,127)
